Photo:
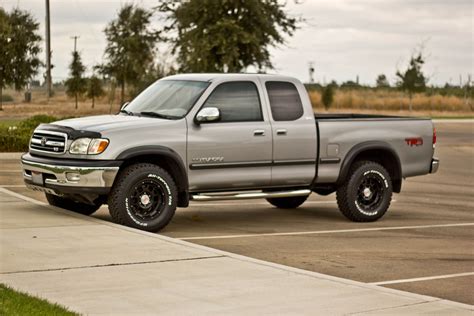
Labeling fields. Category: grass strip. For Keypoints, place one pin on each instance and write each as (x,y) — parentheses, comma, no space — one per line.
(17,303)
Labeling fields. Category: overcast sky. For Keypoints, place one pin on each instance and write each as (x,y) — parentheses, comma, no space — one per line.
(344,38)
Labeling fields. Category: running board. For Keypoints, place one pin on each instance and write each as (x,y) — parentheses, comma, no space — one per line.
(204,197)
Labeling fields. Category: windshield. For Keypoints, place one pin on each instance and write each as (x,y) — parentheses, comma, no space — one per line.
(167,98)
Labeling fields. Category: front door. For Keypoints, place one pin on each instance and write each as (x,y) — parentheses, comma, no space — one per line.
(236,151)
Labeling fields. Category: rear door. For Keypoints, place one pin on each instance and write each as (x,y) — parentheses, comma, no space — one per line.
(235,152)
(294,134)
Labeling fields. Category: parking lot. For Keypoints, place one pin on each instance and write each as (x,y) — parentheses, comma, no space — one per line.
(424,244)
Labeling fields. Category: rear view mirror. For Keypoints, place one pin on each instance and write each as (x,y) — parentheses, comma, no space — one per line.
(210,114)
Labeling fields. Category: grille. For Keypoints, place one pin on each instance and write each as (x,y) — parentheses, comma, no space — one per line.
(47,141)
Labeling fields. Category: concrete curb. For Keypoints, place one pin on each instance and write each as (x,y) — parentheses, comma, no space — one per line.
(316,275)
(471,121)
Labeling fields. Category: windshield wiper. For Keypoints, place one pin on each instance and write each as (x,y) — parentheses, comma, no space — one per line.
(158,115)
(126,112)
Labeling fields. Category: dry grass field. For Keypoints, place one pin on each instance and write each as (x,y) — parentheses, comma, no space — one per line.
(357,101)
(394,101)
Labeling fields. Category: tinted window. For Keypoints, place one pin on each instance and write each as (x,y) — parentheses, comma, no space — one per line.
(285,101)
(237,102)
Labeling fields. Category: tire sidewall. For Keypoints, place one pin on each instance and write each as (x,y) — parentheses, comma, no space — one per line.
(170,199)
(378,171)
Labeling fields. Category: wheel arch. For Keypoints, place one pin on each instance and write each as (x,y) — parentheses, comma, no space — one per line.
(376,151)
(164,157)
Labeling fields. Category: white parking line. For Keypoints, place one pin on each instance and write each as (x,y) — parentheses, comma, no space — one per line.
(327,231)
(12,186)
(436,277)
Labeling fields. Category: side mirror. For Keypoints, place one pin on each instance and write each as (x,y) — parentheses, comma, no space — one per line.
(124,106)
(210,114)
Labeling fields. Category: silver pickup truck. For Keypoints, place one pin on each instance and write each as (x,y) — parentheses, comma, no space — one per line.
(207,137)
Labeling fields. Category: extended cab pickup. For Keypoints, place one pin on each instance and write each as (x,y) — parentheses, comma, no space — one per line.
(206,137)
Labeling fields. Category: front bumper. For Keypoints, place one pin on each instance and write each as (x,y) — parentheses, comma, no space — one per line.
(67,176)
(434,165)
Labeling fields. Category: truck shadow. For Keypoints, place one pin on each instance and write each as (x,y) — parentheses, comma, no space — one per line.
(238,217)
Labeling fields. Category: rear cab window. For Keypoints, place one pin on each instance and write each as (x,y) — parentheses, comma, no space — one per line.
(285,101)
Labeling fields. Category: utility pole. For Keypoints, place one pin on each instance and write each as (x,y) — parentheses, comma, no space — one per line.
(75,41)
(311,71)
(48,51)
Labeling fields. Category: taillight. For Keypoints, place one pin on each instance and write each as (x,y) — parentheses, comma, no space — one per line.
(434,137)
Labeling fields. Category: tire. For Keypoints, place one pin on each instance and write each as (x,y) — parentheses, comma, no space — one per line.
(71,205)
(366,195)
(287,202)
(144,197)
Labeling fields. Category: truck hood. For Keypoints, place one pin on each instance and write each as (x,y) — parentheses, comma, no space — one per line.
(104,123)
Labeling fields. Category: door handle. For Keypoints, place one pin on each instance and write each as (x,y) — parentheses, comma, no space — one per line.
(281,131)
(259,132)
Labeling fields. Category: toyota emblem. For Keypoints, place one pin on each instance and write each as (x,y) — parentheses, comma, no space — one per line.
(43,141)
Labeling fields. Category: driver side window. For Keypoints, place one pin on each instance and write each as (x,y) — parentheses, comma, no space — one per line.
(237,102)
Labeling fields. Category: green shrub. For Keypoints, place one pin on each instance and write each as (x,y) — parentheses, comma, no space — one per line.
(16,138)
(328,96)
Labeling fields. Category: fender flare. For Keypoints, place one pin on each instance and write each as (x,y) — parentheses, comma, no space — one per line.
(366,146)
(179,173)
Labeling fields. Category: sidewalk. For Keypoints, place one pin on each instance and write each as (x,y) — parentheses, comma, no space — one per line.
(95,267)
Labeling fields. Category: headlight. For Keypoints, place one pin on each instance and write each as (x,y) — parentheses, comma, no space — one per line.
(88,146)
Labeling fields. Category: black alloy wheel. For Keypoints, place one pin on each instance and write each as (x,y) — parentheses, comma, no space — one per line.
(147,199)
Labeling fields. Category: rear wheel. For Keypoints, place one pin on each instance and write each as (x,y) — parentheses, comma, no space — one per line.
(287,202)
(366,195)
(144,196)
(71,205)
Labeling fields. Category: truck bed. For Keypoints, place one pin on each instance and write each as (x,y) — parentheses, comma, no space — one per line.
(340,133)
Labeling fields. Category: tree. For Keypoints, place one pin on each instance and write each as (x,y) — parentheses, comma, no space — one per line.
(412,79)
(351,85)
(130,46)
(94,88)
(327,97)
(19,47)
(382,81)
(225,35)
(76,85)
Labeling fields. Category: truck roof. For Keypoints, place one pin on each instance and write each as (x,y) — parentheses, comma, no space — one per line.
(213,76)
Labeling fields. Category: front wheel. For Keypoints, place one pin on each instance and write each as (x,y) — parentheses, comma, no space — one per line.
(144,196)
(287,202)
(71,205)
(366,195)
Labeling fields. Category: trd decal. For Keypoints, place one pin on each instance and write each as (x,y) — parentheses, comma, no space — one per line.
(415,141)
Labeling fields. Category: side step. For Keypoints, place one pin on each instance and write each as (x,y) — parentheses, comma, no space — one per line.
(204,197)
